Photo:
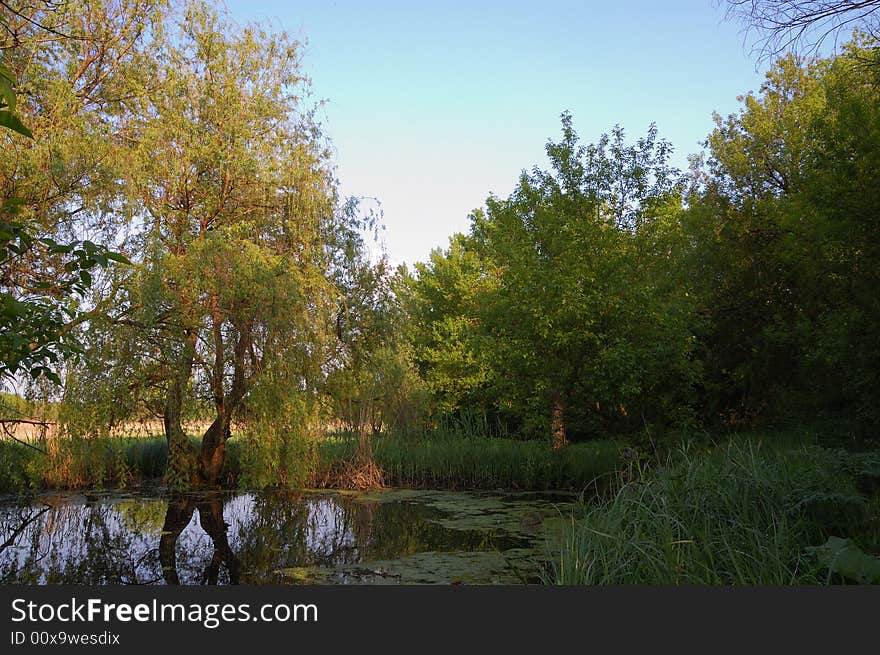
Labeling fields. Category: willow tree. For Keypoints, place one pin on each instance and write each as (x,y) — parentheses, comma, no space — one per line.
(70,79)
(230,198)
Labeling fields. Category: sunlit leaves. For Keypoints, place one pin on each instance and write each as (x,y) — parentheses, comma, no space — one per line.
(567,289)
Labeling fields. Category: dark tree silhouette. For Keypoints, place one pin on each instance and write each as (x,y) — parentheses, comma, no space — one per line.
(803,25)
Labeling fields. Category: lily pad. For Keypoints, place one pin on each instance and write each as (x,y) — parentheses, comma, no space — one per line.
(462,567)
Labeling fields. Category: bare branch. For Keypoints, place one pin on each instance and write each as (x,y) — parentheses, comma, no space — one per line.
(802,25)
(8,433)
(42,26)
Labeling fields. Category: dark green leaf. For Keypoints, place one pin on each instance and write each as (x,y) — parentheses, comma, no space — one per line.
(117,257)
(12,122)
(7,94)
(6,72)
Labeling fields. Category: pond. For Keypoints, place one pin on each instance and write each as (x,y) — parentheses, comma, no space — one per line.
(382,537)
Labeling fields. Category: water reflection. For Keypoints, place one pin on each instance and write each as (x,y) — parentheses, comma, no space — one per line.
(178,516)
(262,538)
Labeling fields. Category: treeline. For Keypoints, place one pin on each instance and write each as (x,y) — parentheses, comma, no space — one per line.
(174,248)
(612,293)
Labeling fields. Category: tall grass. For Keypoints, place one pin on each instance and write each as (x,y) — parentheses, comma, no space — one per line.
(445,461)
(481,463)
(739,514)
(80,463)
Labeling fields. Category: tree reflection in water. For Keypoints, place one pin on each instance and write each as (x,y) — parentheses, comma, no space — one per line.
(178,516)
(64,542)
(215,537)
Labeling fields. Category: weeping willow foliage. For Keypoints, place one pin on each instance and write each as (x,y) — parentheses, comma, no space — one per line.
(279,433)
(229,212)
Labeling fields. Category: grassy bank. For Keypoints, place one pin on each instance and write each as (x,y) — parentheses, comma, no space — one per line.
(452,463)
(81,463)
(482,463)
(739,513)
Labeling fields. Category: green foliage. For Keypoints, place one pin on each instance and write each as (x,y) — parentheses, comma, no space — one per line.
(38,309)
(604,294)
(441,300)
(373,385)
(785,254)
(278,441)
(452,461)
(563,296)
(44,272)
(737,514)
(15,464)
(8,100)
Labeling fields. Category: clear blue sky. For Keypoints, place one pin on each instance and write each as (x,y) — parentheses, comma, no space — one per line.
(431,106)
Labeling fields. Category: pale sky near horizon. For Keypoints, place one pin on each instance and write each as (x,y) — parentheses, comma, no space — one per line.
(433,106)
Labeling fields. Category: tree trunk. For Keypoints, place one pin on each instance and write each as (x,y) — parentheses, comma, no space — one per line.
(212,456)
(213,453)
(177,517)
(178,448)
(211,520)
(179,469)
(557,422)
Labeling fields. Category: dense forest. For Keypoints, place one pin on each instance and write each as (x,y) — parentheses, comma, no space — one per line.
(177,260)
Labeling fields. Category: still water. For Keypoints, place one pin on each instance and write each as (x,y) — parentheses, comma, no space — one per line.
(383,537)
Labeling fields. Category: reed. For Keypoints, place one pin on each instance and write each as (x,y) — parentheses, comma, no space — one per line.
(741,513)
(481,463)
(444,462)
